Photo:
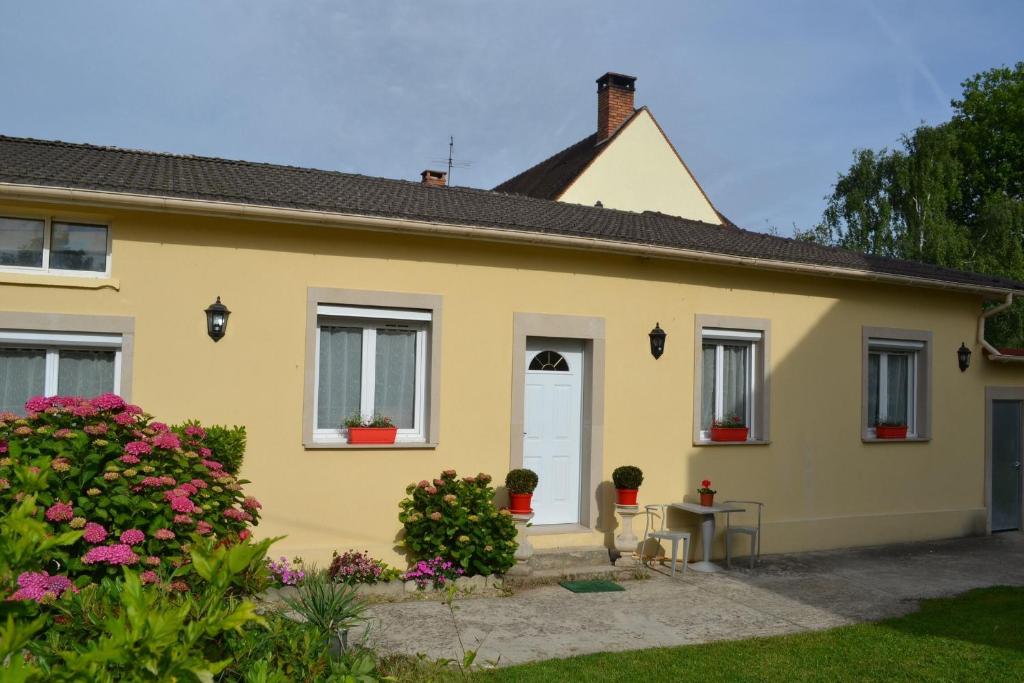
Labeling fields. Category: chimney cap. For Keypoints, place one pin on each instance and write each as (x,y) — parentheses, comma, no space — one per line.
(434,178)
(616,80)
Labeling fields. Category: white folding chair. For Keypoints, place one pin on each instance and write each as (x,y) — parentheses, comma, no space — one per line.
(734,529)
(654,528)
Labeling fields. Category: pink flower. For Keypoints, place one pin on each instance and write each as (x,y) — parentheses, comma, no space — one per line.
(163,534)
(84,409)
(152,560)
(94,533)
(179,586)
(182,504)
(37,404)
(196,431)
(108,402)
(132,409)
(167,480)
(137,448)
(39,586)
(167,441)
(63,433)
(238,515)
(129,459)
(151,481)
(187,489)
(213,465)
(436,516)
(431,490)
(251,503)
(132,537)
(96,429)
(149,576)
(199,483)
(423,484)
(158,427)
(203,528)
(124,419)
(183,519)
(205,452)
(60,512)
(110,554)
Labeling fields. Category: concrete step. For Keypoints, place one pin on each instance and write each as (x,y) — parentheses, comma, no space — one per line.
(563,558)
(543,577)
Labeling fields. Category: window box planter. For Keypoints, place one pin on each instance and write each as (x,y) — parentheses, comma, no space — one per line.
(730,433)
(890,432)
(372,435)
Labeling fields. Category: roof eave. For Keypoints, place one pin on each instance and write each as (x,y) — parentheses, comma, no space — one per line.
(149,202)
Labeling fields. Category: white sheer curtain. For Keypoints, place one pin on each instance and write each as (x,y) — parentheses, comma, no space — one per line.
(707,387)
(897,387)
(341,359)
(22,376)
(874,373)
(85,373)
(395,377)
(735,380)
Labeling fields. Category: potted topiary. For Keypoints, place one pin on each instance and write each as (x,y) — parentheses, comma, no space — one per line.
(891,429)
(707,494)
(731,428)
(377,430)
(627,480)
(521,484)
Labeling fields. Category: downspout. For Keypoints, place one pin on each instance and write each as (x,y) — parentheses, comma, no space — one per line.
(994,353)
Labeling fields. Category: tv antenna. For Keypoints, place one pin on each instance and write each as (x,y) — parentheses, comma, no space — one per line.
(452,163)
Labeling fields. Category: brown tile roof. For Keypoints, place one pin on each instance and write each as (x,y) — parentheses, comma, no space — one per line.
(550,178)
(26,161)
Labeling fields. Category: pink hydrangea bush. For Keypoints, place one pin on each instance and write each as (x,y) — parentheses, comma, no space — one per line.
(136,488)
(360,567)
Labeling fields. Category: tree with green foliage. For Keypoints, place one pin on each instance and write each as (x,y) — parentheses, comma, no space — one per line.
(951,195)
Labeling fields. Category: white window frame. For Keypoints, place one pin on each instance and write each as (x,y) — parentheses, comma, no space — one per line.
(885,347)
(722,338)
(370,319)
(55,342)
(45,269)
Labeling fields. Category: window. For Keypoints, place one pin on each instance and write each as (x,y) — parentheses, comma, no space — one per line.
(550,361)
(730,375)
(50,246)
(897,372)
(371,361)
(51,363)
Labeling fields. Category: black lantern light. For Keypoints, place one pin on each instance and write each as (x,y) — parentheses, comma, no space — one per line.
(657,336)
(963,357)
(217,320)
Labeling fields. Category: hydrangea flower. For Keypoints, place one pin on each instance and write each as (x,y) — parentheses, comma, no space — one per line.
(149,576)
(129,459)
(40,586)
(60,512)
(94,533)
(167,441)
(182,504)
(132,537)
(163,534)
(137,448)
(110,554)
(203,527)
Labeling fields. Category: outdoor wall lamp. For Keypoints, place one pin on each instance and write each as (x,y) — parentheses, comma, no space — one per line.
(217,320)
(963,357)
(657,336)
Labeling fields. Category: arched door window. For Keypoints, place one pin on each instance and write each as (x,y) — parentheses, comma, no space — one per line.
(549,360)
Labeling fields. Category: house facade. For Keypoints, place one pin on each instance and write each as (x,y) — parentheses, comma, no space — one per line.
(500,330)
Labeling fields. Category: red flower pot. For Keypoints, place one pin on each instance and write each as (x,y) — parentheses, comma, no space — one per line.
(890,432)
(730,433)
(521,502)
(707,499)
(372,434)
(626,496)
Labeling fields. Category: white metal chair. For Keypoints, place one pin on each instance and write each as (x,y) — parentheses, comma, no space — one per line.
(654,528)
(734,529)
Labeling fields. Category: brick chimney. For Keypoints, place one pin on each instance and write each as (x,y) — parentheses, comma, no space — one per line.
(614,102)
(434,178)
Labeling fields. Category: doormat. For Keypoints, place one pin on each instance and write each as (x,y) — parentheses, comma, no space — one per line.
(591,586)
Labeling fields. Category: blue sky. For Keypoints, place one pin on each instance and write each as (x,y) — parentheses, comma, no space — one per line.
(765,101)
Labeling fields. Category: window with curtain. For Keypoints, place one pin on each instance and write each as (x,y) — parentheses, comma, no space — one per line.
(727,379)
(371,361)
(47,245)
(37,364)
(892,383)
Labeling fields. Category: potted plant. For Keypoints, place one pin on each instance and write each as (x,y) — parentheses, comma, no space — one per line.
(891,429)
(731,428)
(377,430)
(627,480)
(521,484)
(707,494)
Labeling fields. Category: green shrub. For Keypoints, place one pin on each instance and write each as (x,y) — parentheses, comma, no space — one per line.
(456,519)
(627,477)
(135,489)
(227,442)
(521,481)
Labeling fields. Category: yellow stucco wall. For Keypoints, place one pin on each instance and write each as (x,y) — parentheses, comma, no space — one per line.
(640,172)
(823,486)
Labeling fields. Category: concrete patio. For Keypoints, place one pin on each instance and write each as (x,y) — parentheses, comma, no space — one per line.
(785,594)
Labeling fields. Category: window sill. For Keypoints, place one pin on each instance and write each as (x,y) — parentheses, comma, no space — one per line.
(909,439)
(342,446)
(547,529)
(49,280)
(749,442)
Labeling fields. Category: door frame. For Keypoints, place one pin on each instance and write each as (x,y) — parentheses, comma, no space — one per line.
(591,332)
(996,394)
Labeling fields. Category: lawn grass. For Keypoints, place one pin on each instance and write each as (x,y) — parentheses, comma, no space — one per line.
(977,636)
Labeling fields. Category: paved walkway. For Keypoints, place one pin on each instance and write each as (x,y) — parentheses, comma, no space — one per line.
(785,594)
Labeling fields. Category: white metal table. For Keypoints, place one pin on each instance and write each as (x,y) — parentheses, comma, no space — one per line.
(707,530)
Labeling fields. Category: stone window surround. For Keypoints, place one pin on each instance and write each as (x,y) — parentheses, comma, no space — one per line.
(923,401)
(591,332)
(762,350)
(359,297)
(70,323)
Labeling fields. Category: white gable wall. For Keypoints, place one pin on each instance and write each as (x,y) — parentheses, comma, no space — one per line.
(639,171)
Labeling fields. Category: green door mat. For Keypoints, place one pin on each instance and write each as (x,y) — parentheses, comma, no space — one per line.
(591,586)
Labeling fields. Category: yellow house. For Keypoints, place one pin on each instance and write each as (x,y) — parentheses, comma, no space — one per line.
(498,329)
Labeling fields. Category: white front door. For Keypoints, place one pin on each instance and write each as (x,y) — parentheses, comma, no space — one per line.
(552,427)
